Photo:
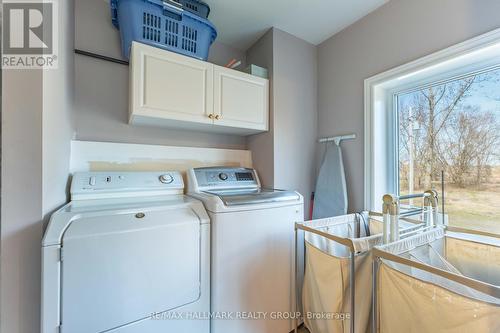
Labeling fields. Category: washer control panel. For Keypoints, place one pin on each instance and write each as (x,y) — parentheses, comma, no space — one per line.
(93,185)
(222,177)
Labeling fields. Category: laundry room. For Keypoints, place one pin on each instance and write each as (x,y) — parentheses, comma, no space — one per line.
(220,166)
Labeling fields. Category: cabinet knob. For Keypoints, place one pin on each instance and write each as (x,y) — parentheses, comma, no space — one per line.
(211,116)
(217,117)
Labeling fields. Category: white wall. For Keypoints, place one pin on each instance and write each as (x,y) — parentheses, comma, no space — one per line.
(101,88)
(396,33)
(106,156)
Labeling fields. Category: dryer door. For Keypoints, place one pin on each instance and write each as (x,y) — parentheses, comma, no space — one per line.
(122,268)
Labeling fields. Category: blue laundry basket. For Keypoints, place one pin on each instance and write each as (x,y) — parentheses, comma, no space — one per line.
(164,25)
(195,6)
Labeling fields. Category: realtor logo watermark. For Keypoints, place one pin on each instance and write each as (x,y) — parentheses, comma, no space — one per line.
(30,34)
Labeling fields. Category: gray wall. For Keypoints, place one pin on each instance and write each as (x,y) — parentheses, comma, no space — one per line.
(285,156)
(295,115)
(101,88)
(221,54)
(396,33)
(21,213)
(262,145)
(58,129)
(36,133)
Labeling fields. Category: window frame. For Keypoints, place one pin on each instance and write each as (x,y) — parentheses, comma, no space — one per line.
(479,54)
(433,82)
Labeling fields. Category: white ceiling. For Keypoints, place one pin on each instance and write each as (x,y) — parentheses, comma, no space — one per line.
(242,22)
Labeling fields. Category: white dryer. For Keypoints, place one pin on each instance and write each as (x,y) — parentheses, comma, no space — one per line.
(252,249)
(129,254)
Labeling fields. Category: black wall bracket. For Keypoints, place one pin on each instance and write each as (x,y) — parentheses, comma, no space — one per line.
(102,57)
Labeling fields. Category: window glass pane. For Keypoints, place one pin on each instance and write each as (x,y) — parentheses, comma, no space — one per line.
(454,129)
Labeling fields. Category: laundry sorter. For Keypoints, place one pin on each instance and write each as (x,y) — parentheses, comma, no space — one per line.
(337,287)
(442,279)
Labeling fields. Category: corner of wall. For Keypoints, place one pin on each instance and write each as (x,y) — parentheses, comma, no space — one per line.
(261,53)
(57,117)
(285,156)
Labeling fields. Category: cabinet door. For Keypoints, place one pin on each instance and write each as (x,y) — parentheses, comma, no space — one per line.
(166,86)
(240,100)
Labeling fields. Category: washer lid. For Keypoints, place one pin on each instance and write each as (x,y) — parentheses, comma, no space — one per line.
(122,268)
(254,196)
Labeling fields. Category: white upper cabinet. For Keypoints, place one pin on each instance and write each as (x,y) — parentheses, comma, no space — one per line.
(167,87)
(172,90)
(240,99)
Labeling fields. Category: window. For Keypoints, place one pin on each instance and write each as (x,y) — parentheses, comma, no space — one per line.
(449,137)
(435,123)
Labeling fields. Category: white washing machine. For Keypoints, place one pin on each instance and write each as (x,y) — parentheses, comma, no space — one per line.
(252,249)
(129,254)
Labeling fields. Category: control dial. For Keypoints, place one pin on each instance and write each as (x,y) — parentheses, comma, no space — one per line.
(166,178)
(223,176)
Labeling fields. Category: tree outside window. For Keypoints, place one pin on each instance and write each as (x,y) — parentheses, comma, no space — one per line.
(451,132)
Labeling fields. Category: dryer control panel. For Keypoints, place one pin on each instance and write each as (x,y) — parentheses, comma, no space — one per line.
(98,185)
(215,178)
